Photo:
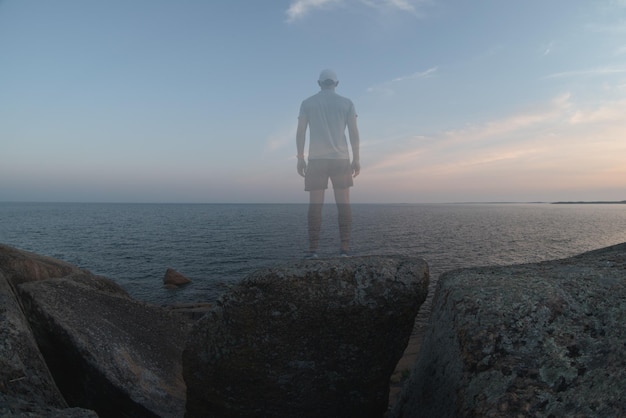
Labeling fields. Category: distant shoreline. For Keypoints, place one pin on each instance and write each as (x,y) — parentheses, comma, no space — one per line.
(599,202)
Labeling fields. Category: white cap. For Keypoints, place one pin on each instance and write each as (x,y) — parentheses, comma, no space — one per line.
(328,75)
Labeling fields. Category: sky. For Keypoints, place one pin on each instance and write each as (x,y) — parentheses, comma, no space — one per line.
(197,101)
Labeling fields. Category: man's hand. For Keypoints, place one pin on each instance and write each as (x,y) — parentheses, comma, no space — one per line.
(301,167)
(356,168)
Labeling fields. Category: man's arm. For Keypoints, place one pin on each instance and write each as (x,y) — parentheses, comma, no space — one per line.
(303,122)
(353,132)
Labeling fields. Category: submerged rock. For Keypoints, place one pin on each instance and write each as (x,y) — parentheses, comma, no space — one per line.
(545,339)
(309,339)
(173,279)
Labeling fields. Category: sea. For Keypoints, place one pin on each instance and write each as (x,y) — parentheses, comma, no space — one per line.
(217,245)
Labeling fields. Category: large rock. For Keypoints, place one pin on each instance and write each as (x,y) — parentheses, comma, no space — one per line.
(546,339)
(27,388)
(23,266)
(24,407)
(174,279)
(308,339)
(23,372)
(107,351)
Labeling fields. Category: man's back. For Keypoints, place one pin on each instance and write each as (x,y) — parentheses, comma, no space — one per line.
(327,113)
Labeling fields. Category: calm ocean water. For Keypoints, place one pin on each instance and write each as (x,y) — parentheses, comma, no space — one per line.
(218,244)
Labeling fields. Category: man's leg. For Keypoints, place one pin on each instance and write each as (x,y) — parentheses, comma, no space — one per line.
(344,216)
(316,201)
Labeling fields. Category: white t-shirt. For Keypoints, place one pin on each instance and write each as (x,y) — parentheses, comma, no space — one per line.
(328,114)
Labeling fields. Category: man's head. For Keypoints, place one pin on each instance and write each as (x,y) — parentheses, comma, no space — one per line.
(327,79)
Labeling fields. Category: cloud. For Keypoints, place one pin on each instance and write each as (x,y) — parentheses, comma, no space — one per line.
(593,72)
(462,143)
(281,139)
(401,5)
(298,9)
(621,50)
(612,112)
(559,146)
(387,89)
(547,50)
(560,150)
(418,74)
(611,28)
(398,5)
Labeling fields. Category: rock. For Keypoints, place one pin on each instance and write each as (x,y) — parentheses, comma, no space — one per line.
(108,352)
(308,339)
(192,310)
(27,388)
(545,339)
(23,371)
(174,279)
(21,266)
(12,407)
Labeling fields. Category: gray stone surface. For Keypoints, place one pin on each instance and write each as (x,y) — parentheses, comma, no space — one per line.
(22,266)
(544,340)
(24,407)
(107,351)
(316,338)
(23,372)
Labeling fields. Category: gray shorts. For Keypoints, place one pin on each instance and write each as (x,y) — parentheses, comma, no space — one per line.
(319,171)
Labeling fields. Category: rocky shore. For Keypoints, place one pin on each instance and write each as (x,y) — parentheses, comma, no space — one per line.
(309,338)
(320,338)
(532,340)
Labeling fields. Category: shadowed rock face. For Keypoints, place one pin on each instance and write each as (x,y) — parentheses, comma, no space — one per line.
(309,339)
(546,339)
(23,372)
(23,407)
(107,351)
(27,388)
(68,335)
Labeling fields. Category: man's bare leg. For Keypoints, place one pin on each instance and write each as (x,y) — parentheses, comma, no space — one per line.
(344,217)
(316,201)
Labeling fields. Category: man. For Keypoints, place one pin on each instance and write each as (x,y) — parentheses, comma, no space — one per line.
(327,115)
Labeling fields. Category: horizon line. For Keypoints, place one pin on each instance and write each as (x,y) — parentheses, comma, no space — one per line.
(306,203)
